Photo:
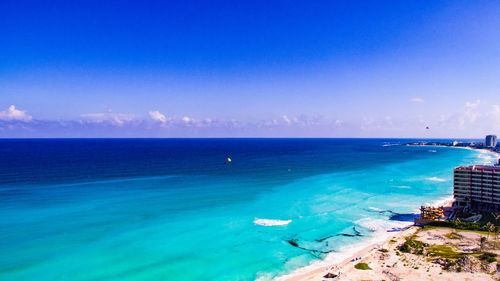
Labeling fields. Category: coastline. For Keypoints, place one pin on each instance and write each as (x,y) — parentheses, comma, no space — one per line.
(312,272)
(388,260)
(482,150)
(317,270)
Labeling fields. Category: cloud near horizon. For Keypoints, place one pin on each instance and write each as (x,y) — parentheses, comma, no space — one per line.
(157,116)
(13,114)
(474,119)
(118,119)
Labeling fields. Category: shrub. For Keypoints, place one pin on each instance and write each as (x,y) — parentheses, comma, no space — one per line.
(488,257)
(445,252)
(362,266)
(460,225)
(413,246)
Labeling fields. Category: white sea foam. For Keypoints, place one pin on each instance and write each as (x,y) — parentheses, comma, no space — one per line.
(402,186)
(381,225)
(268,222)
(375,209)
(441,202)
(390,144)
(487,157)
(436,179)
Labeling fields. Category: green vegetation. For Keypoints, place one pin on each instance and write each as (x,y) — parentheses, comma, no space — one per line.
(453,235)
(450,264)
(444,251)
(458,225)
(487,217)
(429,227)
(413,246)
(482,240)
(383,250)
(362,266)
(488,257)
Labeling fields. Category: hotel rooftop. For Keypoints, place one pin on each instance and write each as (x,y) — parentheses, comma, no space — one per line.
(492,168)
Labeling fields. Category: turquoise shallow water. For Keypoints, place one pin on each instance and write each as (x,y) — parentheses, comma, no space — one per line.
(172,210)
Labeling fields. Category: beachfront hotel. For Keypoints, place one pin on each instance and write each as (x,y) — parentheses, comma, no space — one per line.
(477,187)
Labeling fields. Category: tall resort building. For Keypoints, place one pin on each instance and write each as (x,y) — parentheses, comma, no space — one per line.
(477,187)
(491,141)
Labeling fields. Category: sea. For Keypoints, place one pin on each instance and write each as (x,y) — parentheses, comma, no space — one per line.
(178,209)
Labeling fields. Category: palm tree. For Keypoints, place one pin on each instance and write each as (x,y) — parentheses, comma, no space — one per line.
(492,228)
(496,216)
(455,222)
(481,241)
(497,230)
(489,228)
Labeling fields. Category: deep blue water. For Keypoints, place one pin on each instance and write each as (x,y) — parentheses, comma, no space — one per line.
(175,209)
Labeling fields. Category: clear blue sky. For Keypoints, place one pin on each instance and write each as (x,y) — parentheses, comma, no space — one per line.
(249,68)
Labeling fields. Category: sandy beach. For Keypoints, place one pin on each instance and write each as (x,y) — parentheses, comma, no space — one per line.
(386,262)
(346,265)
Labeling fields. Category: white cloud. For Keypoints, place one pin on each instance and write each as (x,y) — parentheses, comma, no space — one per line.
(472,105)
(117,119)
(13,114)
(157,116)
(418,100)
(287,120)
(186,119)
(495,117)
(471,114)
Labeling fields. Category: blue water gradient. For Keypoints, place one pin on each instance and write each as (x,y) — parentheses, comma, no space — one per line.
(175,209)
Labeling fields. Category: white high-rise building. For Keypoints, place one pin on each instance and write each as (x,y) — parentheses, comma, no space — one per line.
(491,141)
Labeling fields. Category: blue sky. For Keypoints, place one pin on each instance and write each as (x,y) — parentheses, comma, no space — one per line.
(249,68)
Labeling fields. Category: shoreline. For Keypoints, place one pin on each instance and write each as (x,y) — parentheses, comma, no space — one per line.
(425,261)
(317,273)
(482,150)
(318,269)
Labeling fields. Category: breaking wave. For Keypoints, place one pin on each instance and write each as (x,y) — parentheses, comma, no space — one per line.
(436,179)
(268,222)
(391,144)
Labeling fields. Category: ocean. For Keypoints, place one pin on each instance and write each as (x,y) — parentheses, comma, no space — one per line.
(177,209)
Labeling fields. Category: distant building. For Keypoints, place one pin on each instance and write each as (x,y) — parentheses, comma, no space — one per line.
(491,141)
(477,187)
